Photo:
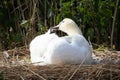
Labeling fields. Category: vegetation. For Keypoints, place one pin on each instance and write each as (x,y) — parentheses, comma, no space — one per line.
(22,20)
(1,77)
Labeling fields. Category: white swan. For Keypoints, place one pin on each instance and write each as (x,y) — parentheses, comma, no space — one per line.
(71,49)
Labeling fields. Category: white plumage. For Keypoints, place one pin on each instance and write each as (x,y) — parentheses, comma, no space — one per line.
(51,49)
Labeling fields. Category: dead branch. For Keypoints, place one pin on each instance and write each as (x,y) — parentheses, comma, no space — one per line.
(113,24)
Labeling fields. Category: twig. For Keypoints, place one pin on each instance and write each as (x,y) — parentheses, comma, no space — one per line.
(78,67)
(18,7)
(21,10)
(37,62)
(33,72)
(90,74)
(67,74)
(113,24)
(99,71)
(21,77)
(45,21)
(5,56)
(113,70)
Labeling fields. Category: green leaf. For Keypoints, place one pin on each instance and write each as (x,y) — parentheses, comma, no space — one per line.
(25,23)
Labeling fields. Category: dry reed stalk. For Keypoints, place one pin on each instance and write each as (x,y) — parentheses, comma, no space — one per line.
(41,77)
(78,67)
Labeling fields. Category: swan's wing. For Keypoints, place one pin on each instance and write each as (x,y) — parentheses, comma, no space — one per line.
(80,41)
(77,40)
(68,39)
(61,51)
(38,46)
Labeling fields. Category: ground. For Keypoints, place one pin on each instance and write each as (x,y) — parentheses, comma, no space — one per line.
(15,65)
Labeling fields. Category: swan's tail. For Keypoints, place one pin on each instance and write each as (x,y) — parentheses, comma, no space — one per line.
(48,32)
(90,43)
(96,59)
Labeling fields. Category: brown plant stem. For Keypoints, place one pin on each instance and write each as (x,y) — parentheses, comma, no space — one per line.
(113,23)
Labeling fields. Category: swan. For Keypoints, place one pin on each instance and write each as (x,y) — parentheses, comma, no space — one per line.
(48,48)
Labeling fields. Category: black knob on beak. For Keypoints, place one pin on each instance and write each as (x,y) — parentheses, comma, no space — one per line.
(54,29)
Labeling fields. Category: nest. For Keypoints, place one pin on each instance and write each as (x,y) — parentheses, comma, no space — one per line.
(15,65)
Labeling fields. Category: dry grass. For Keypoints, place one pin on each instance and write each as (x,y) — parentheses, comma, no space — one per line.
(16,66)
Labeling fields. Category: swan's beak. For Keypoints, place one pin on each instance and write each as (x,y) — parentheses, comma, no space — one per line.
(54,29)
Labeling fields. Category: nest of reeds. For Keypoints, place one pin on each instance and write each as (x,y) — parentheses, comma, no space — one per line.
(15,65)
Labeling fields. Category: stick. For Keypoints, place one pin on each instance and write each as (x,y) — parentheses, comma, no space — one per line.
(33,72)
(113,24)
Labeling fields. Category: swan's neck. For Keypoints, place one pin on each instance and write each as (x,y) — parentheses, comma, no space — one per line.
(74,31)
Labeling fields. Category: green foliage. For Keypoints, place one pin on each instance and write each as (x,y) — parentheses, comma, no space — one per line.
(42,29)
(101,47)
(25,23)
(28,20)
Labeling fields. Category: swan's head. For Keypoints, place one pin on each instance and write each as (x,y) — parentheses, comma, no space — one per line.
(68,26)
